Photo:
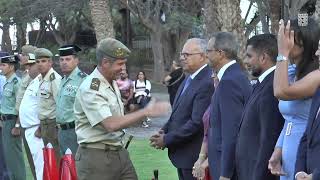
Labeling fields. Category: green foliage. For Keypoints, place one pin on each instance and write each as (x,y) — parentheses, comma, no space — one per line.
(138,28)
(14,10)
(181,20)
(178,20)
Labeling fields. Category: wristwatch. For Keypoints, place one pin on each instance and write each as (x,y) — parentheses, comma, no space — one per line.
(17,125)
(281,57)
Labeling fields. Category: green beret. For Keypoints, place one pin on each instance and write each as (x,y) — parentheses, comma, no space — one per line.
(113,48)
(26,49)
(43,52)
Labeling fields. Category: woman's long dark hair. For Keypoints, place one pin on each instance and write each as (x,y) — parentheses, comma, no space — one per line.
(308,38)
(145,78)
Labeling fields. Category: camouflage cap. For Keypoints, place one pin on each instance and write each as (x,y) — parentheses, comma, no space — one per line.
(113,48)
(26,49)
(43,52)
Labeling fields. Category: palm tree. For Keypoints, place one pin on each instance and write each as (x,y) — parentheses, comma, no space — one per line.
(274,7)
(101,18)
(229,17)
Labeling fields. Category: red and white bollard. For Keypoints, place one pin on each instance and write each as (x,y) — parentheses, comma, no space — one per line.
(50,170)
(68,167)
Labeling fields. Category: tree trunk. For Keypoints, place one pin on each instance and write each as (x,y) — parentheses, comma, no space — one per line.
(263,17)
(126,27)
(274,8)
(292,8)
(6,40)
(317,13)
(172,45)
(58,37)
(210,14)
(21,35)
(252,25)
(101,18)
(41,31)
(229,16)
(158,59)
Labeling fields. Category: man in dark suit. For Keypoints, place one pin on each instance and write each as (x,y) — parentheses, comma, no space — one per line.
(261,121)
(227,105)
(183,133)
(308,156)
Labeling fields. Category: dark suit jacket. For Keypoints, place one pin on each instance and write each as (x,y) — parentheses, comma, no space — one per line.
(184,130)
(227,105)
(260,128)
(308,156)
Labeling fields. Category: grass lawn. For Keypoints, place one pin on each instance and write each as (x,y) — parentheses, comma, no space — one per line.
(145,160)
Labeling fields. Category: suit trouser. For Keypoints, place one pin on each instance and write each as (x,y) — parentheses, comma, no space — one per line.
(12,148)
(28,153)
(104,164)
(185,174)
(3,169)
(68,139)
(36,146)
(49,134)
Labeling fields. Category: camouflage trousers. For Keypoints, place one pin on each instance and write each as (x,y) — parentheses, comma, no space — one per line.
(49,134)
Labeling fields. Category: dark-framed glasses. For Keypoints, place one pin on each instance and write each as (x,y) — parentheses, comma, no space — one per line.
(211,50)
(186,55)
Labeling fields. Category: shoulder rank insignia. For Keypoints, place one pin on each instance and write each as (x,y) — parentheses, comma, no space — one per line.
(52,77)
(15,80)
(82,74)
(95,84)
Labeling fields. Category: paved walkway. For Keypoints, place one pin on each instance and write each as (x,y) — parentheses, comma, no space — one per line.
(160,92)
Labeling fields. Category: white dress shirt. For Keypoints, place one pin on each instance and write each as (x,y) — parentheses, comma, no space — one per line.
(266,73)
(28,111)
(193,75)
(224,68)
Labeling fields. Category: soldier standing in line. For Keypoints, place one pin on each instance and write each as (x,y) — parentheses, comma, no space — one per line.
(48,90)
(69,85)
(27,53)
(12,144)
(3,168)
(100,118)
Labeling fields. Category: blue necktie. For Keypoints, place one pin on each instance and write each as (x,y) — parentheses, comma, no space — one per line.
(186,84)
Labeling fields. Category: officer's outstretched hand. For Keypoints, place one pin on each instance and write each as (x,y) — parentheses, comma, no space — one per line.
(157,108)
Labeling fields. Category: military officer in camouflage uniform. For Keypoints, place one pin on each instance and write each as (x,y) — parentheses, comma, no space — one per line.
(27,53)
(72,78)
(12,144)
(48,91)
(100,118)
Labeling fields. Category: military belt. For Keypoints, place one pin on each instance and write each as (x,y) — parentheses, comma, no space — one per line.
(101,146)
(66,126)
(6,117)
(48,121)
